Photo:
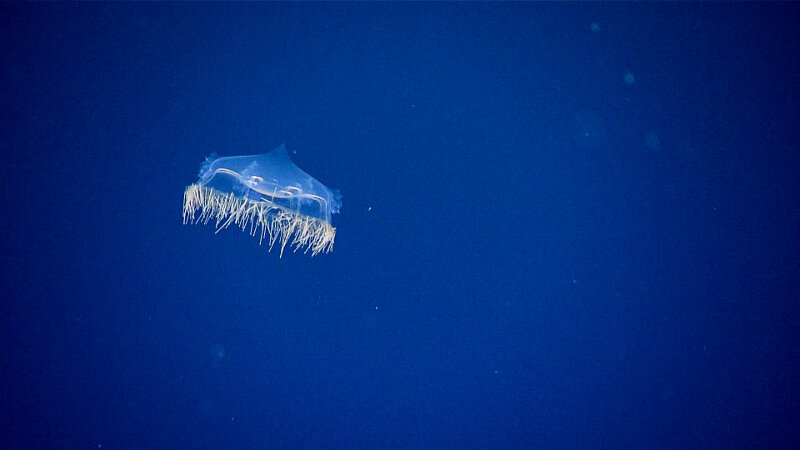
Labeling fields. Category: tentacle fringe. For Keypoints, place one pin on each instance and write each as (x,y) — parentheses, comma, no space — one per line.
(270,222)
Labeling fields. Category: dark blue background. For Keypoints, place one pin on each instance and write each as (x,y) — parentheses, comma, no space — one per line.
(553,235)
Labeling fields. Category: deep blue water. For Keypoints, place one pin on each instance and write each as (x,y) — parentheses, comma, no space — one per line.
(563,226)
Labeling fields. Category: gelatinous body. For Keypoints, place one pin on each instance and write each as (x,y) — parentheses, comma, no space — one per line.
(266,195)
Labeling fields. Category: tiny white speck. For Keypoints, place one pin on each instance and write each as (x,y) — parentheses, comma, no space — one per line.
(369,209)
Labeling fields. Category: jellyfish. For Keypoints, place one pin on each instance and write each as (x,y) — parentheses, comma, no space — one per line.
(266,196)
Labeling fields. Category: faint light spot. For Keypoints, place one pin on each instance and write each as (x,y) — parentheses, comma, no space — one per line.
(588,129)
(595,27)
(369,209)
(652,142)
(629,78)
(217,354)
